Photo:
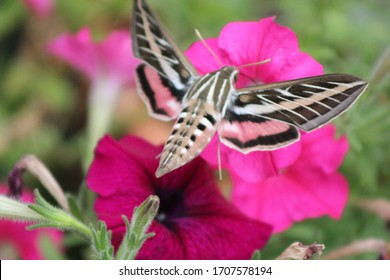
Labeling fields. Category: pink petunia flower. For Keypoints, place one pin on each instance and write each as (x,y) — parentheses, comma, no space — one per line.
(194,222)
(110,60)
(241,43)
(292,183)
(16,242)
(40,7)
(110,66)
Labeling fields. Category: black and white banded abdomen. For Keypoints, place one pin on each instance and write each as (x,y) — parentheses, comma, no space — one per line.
(192,131)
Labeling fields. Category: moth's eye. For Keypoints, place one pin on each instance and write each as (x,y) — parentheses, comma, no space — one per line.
(235,78)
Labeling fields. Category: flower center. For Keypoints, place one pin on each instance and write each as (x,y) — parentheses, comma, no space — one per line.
(171,206)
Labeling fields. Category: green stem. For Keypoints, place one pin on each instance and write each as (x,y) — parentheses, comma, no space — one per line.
(103,96)
(82,228)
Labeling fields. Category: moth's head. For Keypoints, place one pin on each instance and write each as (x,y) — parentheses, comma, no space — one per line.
(229,72)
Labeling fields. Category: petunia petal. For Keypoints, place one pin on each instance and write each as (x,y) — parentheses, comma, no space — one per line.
(296,65)
(249,42)
(286,156)
(77,50)
(117,168)
(258,166)
(210,153)
(116,52)
(252,167)
(291,197)
(203,60)
(111,58)
(323,150)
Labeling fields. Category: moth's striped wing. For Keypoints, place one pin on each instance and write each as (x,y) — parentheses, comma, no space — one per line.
(161,98)
(166,75)
(263,117)
(306,103)
(248,132)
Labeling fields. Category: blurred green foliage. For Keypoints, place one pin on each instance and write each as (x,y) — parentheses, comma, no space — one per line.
(43,101)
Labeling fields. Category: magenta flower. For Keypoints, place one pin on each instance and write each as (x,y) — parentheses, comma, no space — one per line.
(292,183)
(194,220)
(40,7)
(110,66)
(16,242)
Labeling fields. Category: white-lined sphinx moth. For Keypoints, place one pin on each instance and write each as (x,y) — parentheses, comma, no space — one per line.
(262,117)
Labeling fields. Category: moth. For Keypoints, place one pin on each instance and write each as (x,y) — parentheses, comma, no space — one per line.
(260,117)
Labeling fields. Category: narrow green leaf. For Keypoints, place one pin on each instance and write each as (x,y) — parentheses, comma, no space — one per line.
(39,200)
(40,210)
(101,242)
(58,217)
(45,225)
(74,208)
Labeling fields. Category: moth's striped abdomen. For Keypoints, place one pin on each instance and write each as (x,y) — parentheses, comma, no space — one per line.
(192,131)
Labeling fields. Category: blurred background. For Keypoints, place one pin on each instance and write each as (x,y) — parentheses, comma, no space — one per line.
(43,100)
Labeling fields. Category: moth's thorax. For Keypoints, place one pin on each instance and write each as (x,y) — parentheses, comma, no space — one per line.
(214,88)
(229,72)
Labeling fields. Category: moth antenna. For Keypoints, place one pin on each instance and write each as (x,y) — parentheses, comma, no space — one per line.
(256,63)
(219,159)
(208,47)
(253,64)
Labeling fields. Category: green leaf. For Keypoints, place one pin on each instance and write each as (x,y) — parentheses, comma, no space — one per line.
(136,234)
(57,218)
(45,225)
(256,255)
(74,208)
(102,248)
